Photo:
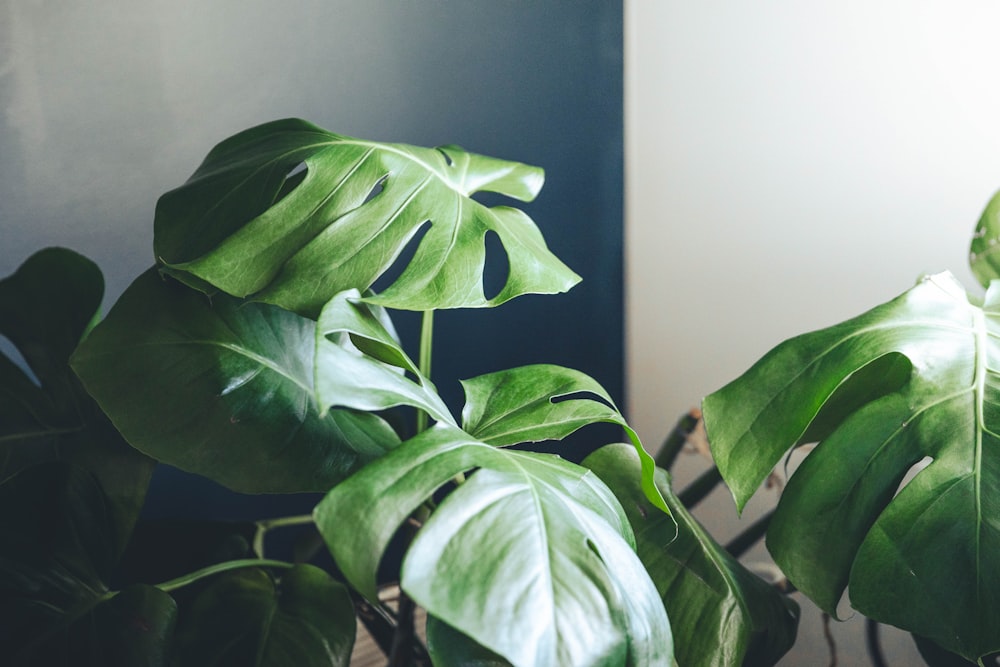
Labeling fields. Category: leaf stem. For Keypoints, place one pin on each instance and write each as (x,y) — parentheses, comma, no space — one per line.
(749,537)
(674,443)
(703,485)
(424,363)
(192,577)
(264,525)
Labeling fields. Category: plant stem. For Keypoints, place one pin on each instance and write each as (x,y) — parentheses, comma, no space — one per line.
(696,491)
(674,443)
(749,537)
(265,525)
(424,363)
(192,577)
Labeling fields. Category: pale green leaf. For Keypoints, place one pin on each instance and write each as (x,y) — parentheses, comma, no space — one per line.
(541,540)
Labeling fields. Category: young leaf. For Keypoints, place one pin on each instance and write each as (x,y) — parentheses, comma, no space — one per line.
(544,402)
(223,389)
(984,252)
(253,223)
(540,540)
(46,307)
(369,363)
(721,613)
(926,559)
(247,619)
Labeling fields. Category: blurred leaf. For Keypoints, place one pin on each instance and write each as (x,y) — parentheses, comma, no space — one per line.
(451,647)
(46,307)
(56,558)
(223,389)
(984,252)
(252,222)
(544,402)
(529,538)
(721,614)
(246,618)
(925,558)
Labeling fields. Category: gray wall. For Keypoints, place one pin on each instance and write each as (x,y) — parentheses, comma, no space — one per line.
(108,104)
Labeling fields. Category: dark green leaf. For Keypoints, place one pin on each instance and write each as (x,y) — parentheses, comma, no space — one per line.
(541,540)
(984,253)
(926,559)
(448,646)
(246,618)
(544,402)
(223,389)
(251,223)
(721,614)
(46,307)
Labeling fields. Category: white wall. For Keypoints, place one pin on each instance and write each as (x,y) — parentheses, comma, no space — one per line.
(789,165)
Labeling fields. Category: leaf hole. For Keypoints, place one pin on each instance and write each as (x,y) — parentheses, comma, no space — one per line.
(444,153)
(496,268)
(376,189)
(402,259)
(9,350)
(293,178)
(914,470)
(582,396)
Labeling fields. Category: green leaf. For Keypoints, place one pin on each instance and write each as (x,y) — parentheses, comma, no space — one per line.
(925,558)
(56,559)
(252,223)
(223,389)
(247,618)
(369,362)
(46,307)
(541,541)
(984,251)
(448,646)
(721,613)
(544,402)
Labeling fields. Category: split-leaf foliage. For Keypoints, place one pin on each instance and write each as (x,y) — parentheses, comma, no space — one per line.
(255,353)
(898,504)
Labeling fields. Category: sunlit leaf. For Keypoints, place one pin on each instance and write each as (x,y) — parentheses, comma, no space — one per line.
(544,402)
(529,538)
(292,214)
(926,559)
(223,389)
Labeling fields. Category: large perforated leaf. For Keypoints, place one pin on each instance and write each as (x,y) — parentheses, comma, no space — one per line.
(292,214)
(927,558)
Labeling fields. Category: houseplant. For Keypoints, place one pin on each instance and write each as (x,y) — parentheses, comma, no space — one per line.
(898,502)
(257,354)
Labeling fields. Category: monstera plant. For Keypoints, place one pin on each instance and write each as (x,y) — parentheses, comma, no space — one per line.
(259,352)
(899,503)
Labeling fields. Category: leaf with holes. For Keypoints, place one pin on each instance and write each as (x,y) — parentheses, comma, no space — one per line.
(223,389)
(722,614)
(370,363)
(252,222)
(46,307)
(544,402)
(248,618)
(926,559)
(529,538)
